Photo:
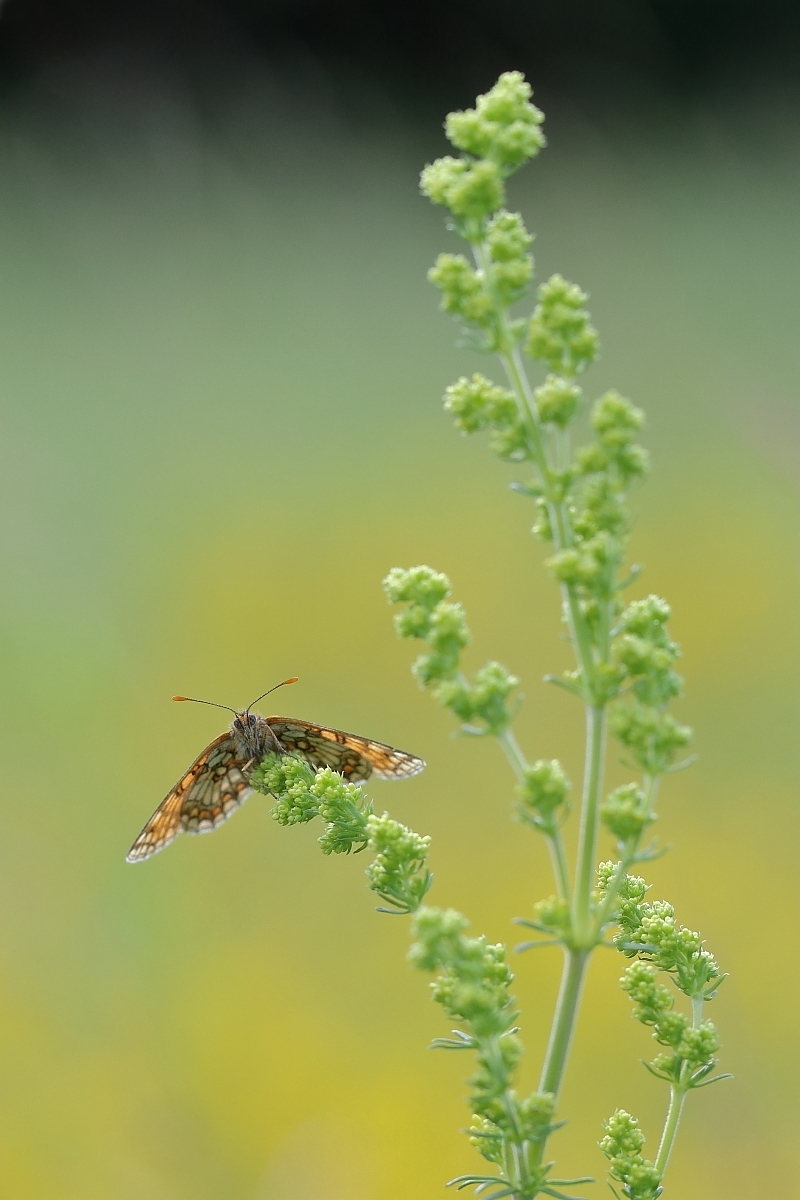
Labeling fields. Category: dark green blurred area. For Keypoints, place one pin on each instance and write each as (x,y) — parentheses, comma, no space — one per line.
(221,426)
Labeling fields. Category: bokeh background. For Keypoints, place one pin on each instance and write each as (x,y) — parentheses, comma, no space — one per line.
(221,426)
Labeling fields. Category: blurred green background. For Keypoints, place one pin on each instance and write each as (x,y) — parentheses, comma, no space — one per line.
(221,426)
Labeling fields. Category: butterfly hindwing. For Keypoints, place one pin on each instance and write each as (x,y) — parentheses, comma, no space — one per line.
(356,758)
(205,796)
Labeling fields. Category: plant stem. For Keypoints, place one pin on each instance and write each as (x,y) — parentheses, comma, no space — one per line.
(563,1026)
(510,748)
(677,1095)
(555,842)
(587,837)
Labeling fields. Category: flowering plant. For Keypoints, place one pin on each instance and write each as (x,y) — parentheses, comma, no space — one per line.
(623,676)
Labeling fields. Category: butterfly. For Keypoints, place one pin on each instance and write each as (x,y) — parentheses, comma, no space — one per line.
(217,782)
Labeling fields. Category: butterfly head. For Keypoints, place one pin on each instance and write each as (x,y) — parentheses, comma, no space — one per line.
(245,720)
(253,734)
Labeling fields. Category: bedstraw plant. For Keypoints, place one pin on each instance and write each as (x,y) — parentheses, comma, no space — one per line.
(623,676)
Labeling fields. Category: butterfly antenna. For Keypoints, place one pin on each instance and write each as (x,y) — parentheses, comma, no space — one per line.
(283,683)
(212,703)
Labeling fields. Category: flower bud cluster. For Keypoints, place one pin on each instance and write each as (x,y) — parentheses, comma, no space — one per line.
(398,873)
(602,472)
(559,333)
(653,737)
(478,404)
(645,652)
(649,929)
(473,986)
(643,655)
(442,625)
(475,979)
(624,813)
(552,915)
(302,794)
(594,490)
(623,1144)
(502,127)
(542,793)
(495,138)
(692,1046)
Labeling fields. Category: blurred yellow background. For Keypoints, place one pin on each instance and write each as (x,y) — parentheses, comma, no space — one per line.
(221,426)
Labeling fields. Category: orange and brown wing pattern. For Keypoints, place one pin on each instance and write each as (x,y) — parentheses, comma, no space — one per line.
(213,787)
(354,757)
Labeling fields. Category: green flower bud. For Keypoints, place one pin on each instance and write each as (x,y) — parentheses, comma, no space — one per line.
(448,626)
(616,420)
(670,1028)
(650,999)
(397,873)
(487,1138)
(438,933)
(699,1045)
(543,790)
(553,915)
(512,278)
(573,567)
(462,288)
(623,1144)
(475,977)
(623,1137)
(512,443)
(557,401)
(592,459)
(503,126)
(559,333)
(477,404)
(417,585)
(431,668)
(457,696)
(438,177)
(413,622)
(646,618)
(289,779)
(605,873)
(507,238)
(535,1115)
(632,462)
(652,737)
(342,806)
(587,566)
(624,814)
(493,685)
(475,191)
(603,510)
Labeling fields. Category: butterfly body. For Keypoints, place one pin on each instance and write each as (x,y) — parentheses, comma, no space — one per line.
(218,781)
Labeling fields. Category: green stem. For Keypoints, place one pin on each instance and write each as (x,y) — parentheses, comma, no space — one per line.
(555,842)
(561,1032)
(516,758)
(559,517)
(587,838)
(677,1096)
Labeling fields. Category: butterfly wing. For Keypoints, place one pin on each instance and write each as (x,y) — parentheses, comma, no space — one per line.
(356,758)
(213,787)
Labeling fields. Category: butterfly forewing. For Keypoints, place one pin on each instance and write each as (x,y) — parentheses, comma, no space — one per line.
(213,787)
(354,757)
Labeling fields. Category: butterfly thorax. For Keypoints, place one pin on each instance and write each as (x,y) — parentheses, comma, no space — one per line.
(253,736)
